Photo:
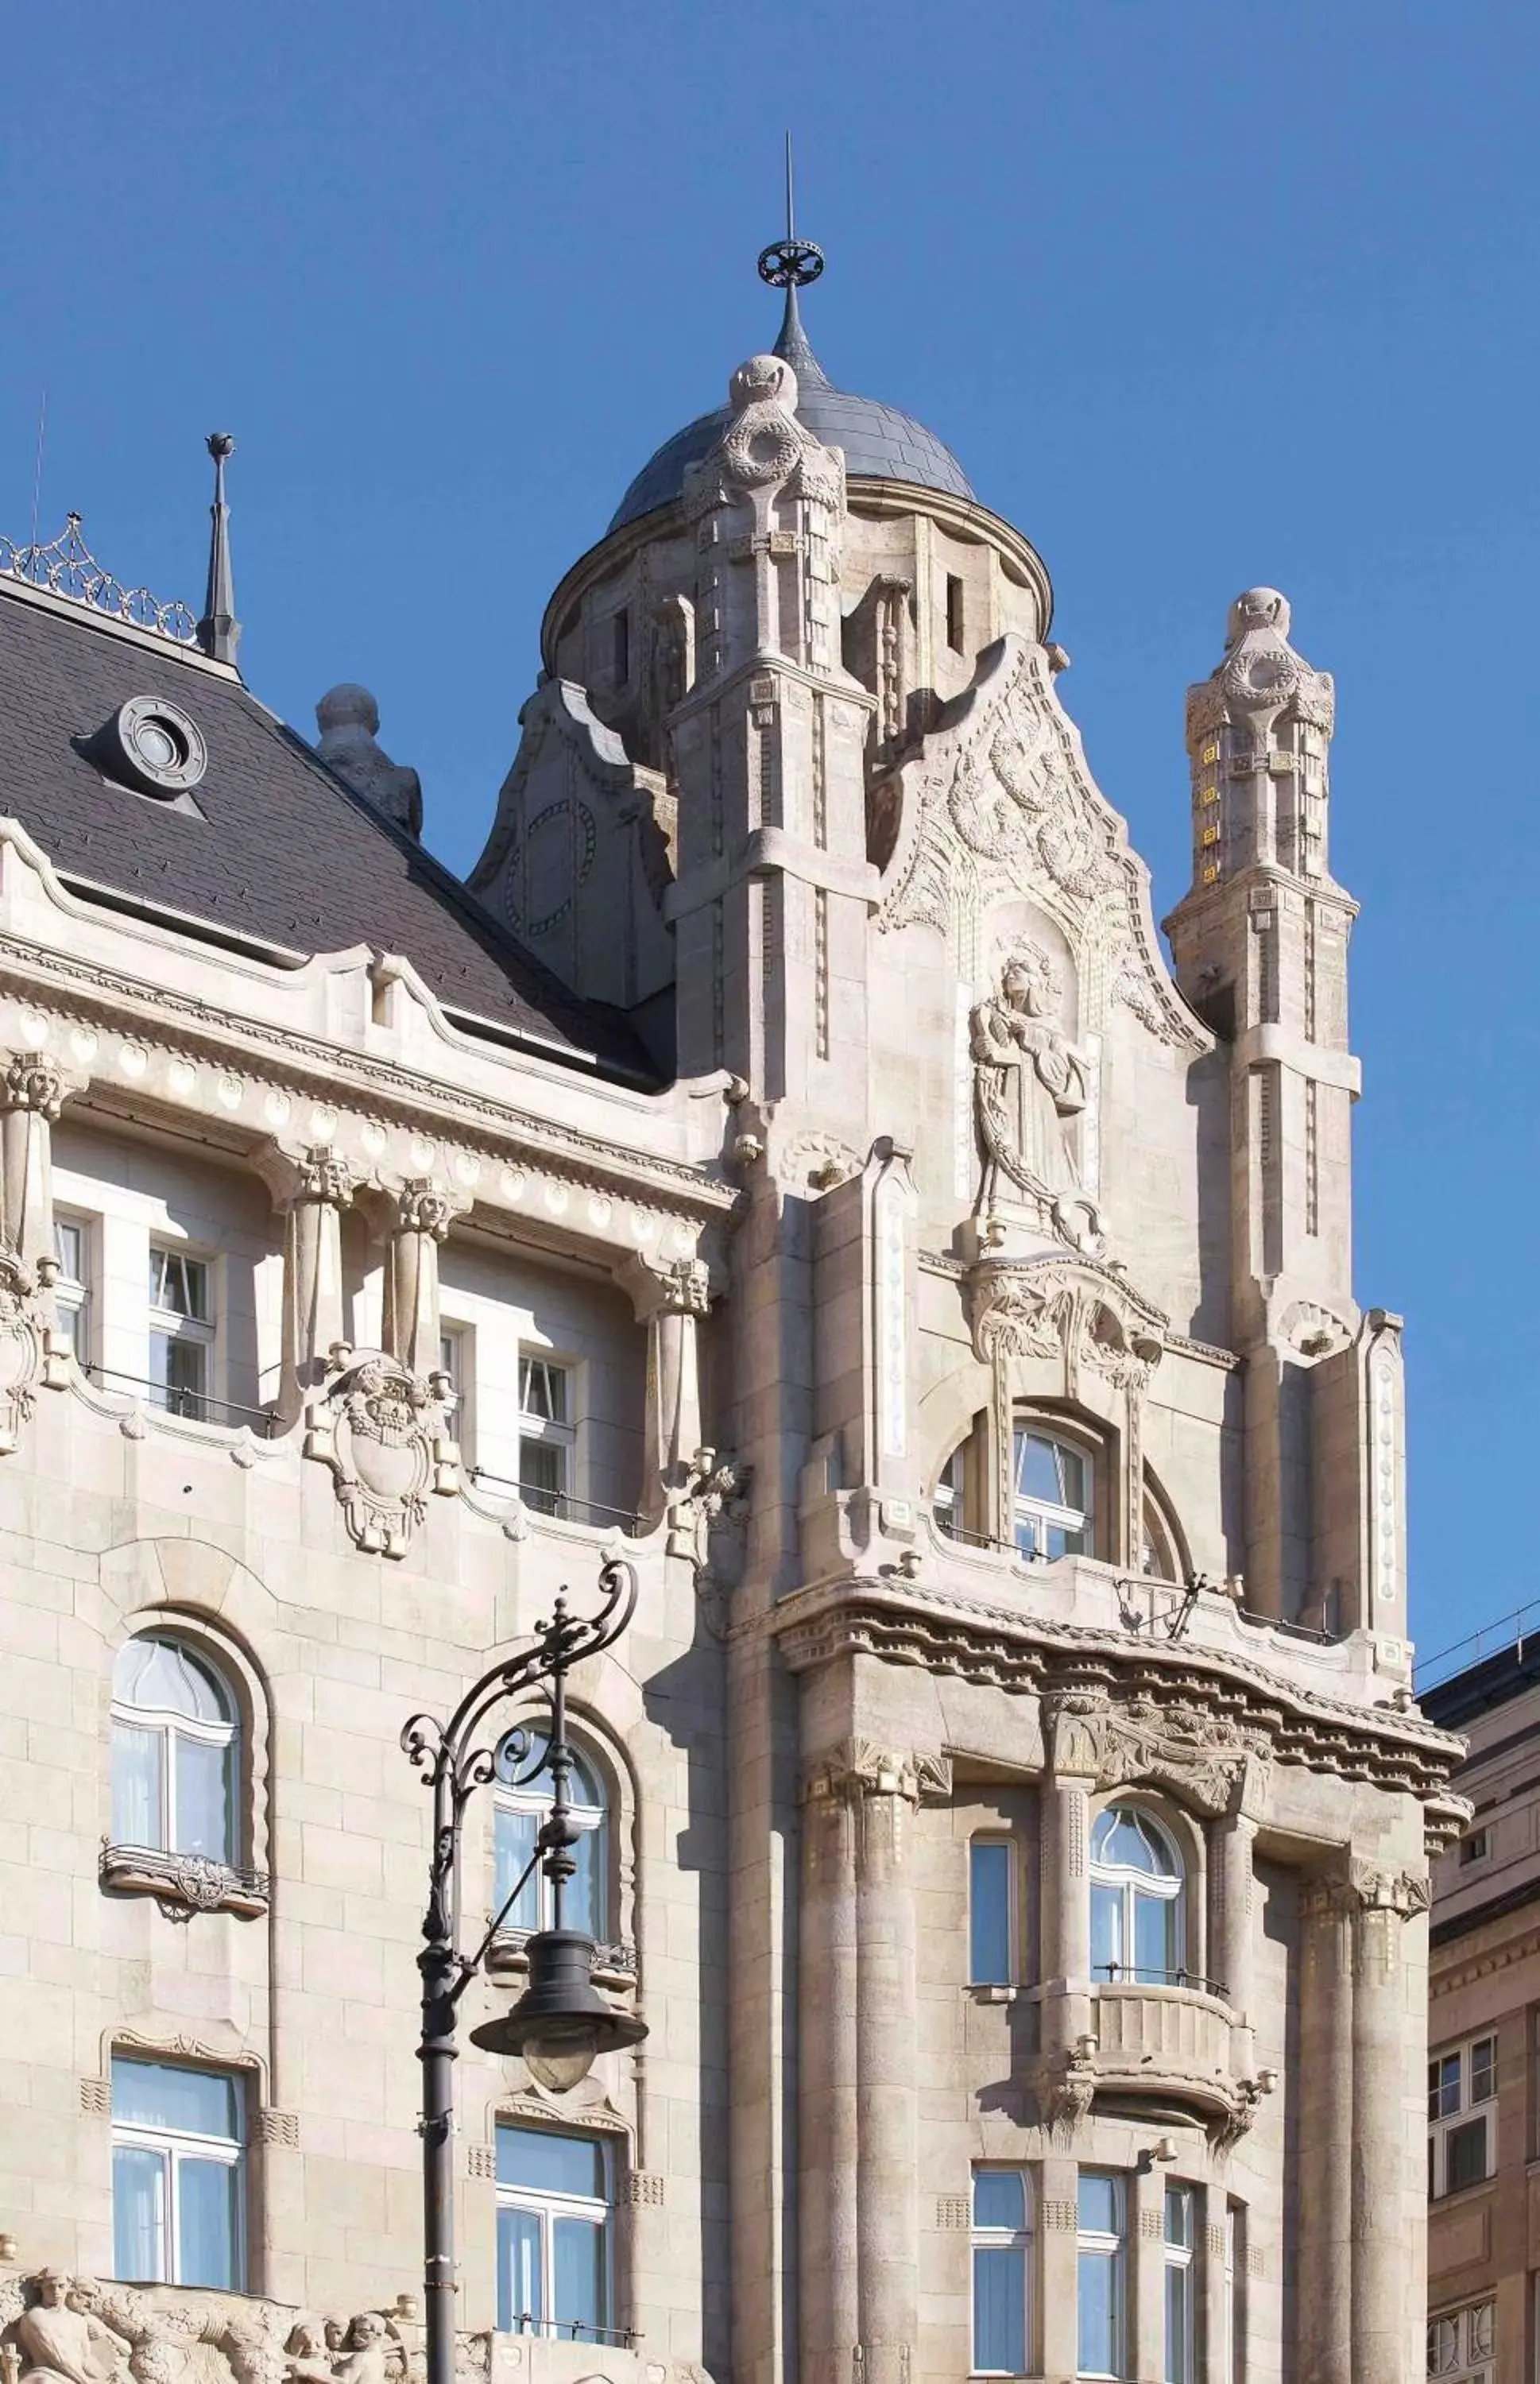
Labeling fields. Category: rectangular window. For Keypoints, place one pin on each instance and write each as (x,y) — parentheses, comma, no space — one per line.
(1001,2272)
(177,2175)
(73,1284)
(1474,1846)
(1180,2297)
(546,1435)
(457,1360)
(554,2196)
(989,1913)
(1462,2086)
(181,1331)
(620,647)
(1103,2274)
(955,612)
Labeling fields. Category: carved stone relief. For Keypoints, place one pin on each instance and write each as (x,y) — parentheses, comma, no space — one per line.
(1202,1756)
(1000,804)
(1031,1088)
(386,1436)
(1053,1307)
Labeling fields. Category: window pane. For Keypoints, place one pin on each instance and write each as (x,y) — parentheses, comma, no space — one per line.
(138,2215)
(584,1900)
(520,2278)
(550,2163)
(160,2094)
(1155,1950)
(1106,1929)
(208,2202)
(513,1842)
(69,1251)
(1000,2198)
(202,1823)
(999,2311)
(1101,2205)
(1098,2314)
(1483,2068)
(1037,1470)
(542,1474)
(1061,1543)
(1179,2363)
(989,1914)
(178,1374)
(1179,2215)
(1465,2155)
(1444,2086)
(579,2279)
(137,1756)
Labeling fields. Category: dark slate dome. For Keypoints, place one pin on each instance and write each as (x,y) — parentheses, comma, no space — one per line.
(879,442)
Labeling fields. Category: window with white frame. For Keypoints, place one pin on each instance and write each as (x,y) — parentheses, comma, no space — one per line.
(457,1360)
(949,1505)
(73,1284)
(1102,2273)
(518,1812)
(554,2259)
(178,2174)
(1180,2298)
(1461,2343)
(174,1751)
(1138,1905)
(1054,1489)
(547,1434)
(181,1331)
(1463,2091)
(991,1912)
(1001,2272)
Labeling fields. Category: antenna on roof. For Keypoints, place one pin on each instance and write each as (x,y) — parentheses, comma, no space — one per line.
(220,631)
(790,265)
(790,199)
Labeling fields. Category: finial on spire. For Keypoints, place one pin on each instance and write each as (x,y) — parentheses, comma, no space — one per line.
(220,631)
(790,265)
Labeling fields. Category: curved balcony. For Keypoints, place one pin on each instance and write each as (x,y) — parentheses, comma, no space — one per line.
(1165,2046)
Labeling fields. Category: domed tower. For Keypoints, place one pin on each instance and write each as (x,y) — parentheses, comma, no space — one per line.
(1077,1804)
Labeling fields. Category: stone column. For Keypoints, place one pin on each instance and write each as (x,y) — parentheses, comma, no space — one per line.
(1382,1903)
(1059,2221)
(887,2214)
(32,1093)
(828,2277)
(419,1223)
(1230,1957)
(1074,1729)
(1324,2296)
(669,1298)
(314,1329)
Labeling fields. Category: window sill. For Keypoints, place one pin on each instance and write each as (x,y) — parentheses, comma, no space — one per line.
(614,1965)
(1458,2193)
(183,1884)
(996,1994)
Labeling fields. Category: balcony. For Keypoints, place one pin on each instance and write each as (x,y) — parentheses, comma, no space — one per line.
(1165,2047)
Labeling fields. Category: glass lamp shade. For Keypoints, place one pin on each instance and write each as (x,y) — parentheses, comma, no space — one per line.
(559,2025)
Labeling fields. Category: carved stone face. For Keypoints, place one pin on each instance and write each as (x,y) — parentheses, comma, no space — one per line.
(368,2326)
(52,2288)
(1029,989)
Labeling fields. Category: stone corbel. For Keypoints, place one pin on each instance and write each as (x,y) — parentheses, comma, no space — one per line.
(421,1213)
(858,1768)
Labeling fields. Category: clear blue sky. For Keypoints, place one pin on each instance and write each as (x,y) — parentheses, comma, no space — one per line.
(1201,294)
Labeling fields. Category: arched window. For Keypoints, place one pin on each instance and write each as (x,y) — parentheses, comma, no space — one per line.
(1156,1553)
(1138,1904)
(519,1812)
(174,1747)
(1054,1494)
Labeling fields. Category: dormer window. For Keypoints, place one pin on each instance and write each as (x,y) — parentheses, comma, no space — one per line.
(152,747)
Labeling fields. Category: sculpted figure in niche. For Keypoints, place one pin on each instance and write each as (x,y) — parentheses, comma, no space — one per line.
(1031,1086)
(61,2343)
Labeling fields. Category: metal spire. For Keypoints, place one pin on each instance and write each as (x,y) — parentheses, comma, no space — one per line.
(790,265)
(220,631)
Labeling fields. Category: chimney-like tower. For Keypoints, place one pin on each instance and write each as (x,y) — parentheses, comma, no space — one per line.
(1260,947)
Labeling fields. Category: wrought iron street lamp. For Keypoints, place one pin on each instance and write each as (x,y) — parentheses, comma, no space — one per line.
(560,2024)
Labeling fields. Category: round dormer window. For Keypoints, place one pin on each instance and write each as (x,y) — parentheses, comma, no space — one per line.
(163,748)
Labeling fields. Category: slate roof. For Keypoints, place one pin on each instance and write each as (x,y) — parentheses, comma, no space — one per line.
(284,854)
(880,443)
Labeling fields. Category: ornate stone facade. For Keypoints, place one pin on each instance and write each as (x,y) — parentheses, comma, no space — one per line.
(832,1200)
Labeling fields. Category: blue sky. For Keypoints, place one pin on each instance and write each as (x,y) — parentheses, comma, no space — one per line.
(1201,295)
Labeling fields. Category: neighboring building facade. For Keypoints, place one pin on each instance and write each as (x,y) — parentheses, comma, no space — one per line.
(793,1163)
(1484,2032)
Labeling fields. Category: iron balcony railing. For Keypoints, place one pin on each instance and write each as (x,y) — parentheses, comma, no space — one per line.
(1140,1974)
(170,1399)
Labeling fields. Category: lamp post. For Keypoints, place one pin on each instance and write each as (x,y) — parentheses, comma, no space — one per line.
(559,2024)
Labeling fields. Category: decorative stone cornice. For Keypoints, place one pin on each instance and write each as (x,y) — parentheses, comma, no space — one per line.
(1158,1687)
(860,1768)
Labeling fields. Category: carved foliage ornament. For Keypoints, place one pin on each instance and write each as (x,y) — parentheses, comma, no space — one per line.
(1200,1755)
(860,1768)
(1000,804)
(1060,1310)
(24,1346)
(386,1437)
